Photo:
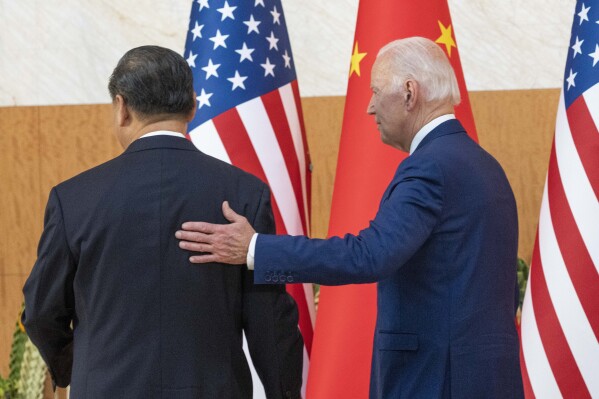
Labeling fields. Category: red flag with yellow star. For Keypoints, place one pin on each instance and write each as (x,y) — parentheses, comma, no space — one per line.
(342,346)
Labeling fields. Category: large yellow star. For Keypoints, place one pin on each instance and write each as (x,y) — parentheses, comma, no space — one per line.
(446,38)
(356,57)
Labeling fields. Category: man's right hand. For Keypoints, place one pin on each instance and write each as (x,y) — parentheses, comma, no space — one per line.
(222,243)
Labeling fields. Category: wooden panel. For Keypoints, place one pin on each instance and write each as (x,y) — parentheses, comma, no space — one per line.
(73,139)
(323,117)
(20,215)
(517,127)
(11,299)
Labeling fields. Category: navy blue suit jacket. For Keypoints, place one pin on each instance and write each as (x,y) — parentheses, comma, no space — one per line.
(443,249)
(146,322)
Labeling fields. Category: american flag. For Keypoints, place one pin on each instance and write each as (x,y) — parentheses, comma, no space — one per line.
(249,111)
(560,318)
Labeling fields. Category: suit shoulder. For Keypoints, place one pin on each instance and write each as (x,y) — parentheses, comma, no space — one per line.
(235,173)
(424,162)
(450,142)
(465,147)
(452,148)
(459,157)
(90,175)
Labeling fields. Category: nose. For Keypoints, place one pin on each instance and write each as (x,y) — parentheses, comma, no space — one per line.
(370,109)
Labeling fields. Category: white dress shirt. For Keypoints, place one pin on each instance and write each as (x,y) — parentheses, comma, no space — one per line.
(162,133)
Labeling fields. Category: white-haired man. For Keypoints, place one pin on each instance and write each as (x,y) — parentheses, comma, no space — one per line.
(442,246)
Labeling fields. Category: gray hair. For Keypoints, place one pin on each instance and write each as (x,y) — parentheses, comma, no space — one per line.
(424,61)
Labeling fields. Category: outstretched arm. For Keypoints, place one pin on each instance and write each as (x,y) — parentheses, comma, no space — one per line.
(409,212)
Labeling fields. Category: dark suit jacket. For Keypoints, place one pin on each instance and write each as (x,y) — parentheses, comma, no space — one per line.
(146,322)
(443,249)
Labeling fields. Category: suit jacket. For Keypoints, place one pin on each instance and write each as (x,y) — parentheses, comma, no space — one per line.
(145,322)
(443,249)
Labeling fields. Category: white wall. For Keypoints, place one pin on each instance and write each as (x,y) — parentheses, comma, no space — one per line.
(62,51)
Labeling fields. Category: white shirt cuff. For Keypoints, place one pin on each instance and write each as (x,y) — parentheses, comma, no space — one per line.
(251,252)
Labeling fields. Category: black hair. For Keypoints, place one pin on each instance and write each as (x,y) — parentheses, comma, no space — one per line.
(153,80)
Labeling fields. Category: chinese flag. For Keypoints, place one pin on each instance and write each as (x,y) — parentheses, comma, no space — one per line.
(342,346)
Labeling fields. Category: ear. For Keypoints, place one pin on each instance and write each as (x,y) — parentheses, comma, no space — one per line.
(411,93)
(122,112)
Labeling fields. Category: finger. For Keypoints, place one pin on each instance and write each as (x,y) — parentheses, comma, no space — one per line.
(195,247)
(203,258)
(195,236)
(230,214)
(201,227)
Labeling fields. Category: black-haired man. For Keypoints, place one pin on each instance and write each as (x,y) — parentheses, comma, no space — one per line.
(112,302)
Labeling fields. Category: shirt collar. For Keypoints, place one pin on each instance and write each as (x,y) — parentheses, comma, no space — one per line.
(163,133)
(426,129)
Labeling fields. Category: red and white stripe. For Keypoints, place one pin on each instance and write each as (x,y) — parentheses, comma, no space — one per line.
(265,136)
(560,316)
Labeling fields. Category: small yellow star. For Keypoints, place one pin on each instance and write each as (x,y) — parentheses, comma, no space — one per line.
(446,38)
(356,57)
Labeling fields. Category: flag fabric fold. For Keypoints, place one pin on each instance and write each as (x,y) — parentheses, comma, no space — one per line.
(249,113)
(341,356)
(560,315)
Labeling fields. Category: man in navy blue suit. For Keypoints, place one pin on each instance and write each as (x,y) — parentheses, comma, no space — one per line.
(442,247)
(112,302)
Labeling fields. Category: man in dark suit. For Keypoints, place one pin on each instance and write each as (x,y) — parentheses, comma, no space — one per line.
(113,304)
(442,246)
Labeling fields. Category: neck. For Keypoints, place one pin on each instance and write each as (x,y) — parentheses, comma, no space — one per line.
(434,111)
(425,115)
(171,125)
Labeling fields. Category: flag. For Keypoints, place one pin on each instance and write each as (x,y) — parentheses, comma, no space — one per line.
(344,332)
(249,112)
(560,316)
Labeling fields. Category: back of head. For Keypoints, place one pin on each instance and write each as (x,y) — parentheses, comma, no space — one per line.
(424,61)
(153,81)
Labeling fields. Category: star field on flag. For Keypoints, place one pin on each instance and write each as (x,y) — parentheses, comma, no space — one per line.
(242,43)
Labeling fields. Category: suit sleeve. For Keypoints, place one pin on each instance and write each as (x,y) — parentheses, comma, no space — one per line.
(49,298)
(271,324)
(408,213)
